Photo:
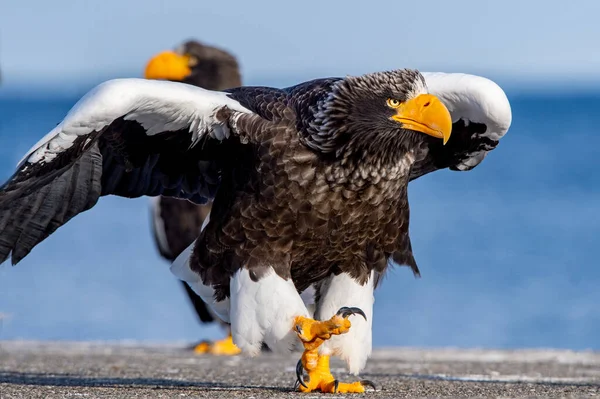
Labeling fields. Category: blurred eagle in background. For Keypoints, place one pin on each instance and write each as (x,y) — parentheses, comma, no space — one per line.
(176,223)
(309,190)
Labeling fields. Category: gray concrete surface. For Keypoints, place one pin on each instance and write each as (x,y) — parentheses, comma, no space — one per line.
(108,370)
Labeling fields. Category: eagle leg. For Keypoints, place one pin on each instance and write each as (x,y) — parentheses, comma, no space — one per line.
(223,347)
(313,333)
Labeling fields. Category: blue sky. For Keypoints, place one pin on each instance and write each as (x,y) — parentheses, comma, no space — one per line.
(60,42)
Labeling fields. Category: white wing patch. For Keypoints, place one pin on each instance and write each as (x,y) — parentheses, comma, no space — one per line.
(158,106)
(473,98)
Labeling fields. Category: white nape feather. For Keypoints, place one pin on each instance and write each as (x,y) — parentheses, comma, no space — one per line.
(264,311)
(158,106)
(355,346)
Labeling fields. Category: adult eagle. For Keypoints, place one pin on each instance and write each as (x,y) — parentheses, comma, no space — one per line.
(309,186)
(176,223)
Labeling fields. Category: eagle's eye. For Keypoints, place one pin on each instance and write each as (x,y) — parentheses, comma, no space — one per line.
(192,61)
(393,103)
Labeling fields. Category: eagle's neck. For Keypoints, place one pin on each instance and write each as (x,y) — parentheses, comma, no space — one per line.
(372,157)
(361,169)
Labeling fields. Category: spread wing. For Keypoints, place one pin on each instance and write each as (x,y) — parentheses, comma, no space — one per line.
(127,137)
(481,116)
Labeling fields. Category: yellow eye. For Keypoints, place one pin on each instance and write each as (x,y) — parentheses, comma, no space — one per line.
(393,103)
(192,61)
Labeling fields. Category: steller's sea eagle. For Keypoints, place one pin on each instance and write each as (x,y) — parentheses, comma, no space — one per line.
(176,223)
(309,188)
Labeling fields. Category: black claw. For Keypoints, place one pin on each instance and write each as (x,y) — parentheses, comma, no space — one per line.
(298,329)
(336,384)
(299,372)
(368,383)
(345,312)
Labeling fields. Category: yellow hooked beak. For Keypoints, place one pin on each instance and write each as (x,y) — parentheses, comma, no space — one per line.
(426,114)
(168,65)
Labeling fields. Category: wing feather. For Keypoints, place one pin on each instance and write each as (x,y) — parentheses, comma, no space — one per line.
(127,137)
(481,116)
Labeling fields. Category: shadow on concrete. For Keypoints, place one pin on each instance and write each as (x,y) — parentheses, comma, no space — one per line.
(69,380)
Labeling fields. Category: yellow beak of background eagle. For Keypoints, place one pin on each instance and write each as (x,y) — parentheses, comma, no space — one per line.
(426,114)
(168,65)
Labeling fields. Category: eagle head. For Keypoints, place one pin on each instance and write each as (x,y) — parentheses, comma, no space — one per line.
(383,113)
(196,63)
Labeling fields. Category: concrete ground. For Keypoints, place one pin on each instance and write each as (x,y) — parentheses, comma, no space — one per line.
(108,370)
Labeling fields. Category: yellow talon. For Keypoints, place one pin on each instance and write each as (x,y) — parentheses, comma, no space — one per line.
(321,379)
(202,347)
(223,347)
(313,333)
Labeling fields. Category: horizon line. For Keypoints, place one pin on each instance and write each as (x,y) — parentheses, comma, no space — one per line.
(69,87)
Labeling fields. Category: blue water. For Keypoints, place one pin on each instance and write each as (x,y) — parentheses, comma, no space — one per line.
(508,251)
